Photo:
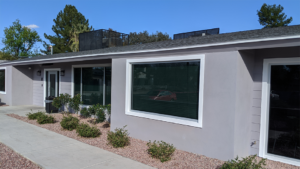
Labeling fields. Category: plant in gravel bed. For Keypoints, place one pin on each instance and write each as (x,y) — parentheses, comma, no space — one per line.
(85,113)
(249,162)
(86,130)
(119,138)
(160,150)
(75,102)
(43,119)
(99,112)
(56,102)
(34,116)
(69,122)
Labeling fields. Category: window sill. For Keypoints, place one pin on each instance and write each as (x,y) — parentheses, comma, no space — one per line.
(1,92)
(282,159)
(165,118)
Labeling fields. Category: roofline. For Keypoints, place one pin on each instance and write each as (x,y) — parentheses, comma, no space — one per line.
(158,50)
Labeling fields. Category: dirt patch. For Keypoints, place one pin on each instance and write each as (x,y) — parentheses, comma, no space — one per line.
(137,150)
(9,159)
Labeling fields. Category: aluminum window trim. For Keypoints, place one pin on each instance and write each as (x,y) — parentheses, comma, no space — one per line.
(161,117)
(84,66)
(264,122)
(5,81)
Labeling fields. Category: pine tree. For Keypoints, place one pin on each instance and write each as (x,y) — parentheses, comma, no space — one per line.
(271,16)
(64,23)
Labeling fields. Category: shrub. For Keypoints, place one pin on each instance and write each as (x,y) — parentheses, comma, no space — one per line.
(85,113)
(119,138)
(99,110)
(160,150)
(64,98)
(43,119)
(75,102)
(34,116)
(69,122)
(85,130)
(108,107)
(249,162)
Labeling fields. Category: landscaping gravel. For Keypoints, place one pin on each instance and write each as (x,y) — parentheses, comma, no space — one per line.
(137,150)
(12,160)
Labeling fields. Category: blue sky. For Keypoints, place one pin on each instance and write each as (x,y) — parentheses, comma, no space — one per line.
(171,16)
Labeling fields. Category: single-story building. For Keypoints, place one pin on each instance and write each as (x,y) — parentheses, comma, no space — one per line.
(222,96)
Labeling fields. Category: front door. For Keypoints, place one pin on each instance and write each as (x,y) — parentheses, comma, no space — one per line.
(284,111)
(52,84)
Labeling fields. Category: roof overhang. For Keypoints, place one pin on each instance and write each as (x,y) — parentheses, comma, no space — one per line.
(288,41)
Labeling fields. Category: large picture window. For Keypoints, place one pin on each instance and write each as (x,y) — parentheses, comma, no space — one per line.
(93,83)
(167,89)
(2,80)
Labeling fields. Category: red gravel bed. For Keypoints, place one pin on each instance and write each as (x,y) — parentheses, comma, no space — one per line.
(9,159)
(137,150)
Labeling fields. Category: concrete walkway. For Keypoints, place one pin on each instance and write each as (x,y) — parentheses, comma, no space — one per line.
(52,150)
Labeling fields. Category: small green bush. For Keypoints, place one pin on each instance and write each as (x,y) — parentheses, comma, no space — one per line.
(43,119)
(100,115)
(56,102)
(160,150)
(34,116)
(75,102)
(249,162)
(69,122)
(85,113)
(119,138)
(85,130)
(64,98)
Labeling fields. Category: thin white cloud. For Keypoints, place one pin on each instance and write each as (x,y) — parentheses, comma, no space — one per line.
(32,26)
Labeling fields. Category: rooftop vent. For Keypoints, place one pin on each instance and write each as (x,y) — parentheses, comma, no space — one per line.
(101,38)
(197,33)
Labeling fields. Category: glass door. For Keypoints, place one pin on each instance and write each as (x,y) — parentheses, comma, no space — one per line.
(284,111)
(52,84)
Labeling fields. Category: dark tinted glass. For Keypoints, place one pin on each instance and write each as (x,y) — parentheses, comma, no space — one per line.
(2,80)
(107,85)
(166,88)
(92,85)
(52,85)
(77,80)
(284,111)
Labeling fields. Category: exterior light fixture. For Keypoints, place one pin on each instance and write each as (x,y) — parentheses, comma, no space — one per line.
(62,72)
(29,67)
(38,73)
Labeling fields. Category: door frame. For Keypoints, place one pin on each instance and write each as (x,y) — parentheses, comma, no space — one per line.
(59,83)
(265,99)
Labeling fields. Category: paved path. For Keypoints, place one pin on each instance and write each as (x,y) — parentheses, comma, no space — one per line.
(52,150)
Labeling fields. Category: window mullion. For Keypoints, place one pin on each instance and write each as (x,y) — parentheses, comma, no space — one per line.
(81,84)
(104,86)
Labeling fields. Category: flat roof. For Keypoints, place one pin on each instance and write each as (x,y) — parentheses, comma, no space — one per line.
(209,40)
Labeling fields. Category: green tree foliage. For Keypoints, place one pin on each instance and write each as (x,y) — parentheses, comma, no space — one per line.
(64,22)
(7,56)
(271,16)
(144,37)
(19,41)
(74,35)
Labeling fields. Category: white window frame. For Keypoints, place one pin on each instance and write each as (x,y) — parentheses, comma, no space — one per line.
(264,123)
(162,117)
(83,66)
(4,68)
(59,84)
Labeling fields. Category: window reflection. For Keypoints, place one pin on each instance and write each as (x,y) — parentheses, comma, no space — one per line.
(92,85)
(2,80)
(284,111)
(166,88)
